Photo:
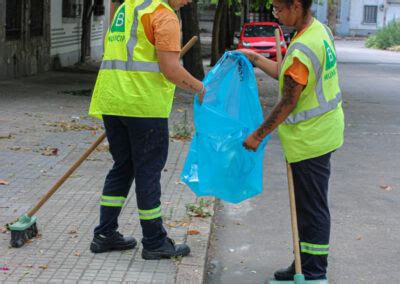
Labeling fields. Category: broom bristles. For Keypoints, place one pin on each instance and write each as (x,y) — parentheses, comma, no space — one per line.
(19,238)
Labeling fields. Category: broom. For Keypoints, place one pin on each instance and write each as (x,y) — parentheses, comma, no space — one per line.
(299,276)
(25,227)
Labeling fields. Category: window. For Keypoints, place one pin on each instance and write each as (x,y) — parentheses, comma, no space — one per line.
(98,8)
(71,9)
(370,14)
(36,26)
(13,19)
(259,31)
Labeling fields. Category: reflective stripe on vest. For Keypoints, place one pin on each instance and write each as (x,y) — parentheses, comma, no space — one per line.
(314,249)
(324,106)
(130,64)
(328,31)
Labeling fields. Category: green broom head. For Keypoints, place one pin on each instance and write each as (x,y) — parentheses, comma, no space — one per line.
(299,279)
(22,230)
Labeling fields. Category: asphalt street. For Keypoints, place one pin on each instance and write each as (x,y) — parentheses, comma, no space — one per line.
(252,239)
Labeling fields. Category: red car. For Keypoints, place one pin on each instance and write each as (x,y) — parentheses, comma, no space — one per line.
(260,37)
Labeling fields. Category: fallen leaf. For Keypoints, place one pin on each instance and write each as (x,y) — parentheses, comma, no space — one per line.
(5,135)
(386,187)
(77,253)
(64,126)
(4,268)
(15,148)
(180,110)
(359,238)
(193,232)
(3,230)
(71,232)
(48,151)
(4,182)
(43,266)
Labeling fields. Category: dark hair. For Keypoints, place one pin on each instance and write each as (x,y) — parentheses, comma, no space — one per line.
(306,4)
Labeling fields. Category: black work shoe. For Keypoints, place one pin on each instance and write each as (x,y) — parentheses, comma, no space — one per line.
(116,241)
(167,250)
(285,273)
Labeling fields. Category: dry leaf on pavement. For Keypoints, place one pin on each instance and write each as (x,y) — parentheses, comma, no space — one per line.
(193,232)
(3,230)
(43,266)
(386,187)
(359,238)
(77,253)
(4,182)
(48,151)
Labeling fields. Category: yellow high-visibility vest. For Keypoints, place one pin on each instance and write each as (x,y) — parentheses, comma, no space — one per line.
(316,125)
(129,82)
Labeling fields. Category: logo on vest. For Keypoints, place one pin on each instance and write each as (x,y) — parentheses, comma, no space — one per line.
(330,61)
(119,21)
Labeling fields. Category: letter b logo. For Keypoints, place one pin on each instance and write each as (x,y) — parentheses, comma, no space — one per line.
(119,21)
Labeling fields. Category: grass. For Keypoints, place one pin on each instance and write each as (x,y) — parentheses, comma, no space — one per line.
(182,130)
(386,37)
(200,209)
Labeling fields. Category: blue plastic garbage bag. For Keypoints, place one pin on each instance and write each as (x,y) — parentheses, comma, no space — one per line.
(217,163)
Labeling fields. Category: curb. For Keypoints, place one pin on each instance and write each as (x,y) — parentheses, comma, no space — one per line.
(192,269)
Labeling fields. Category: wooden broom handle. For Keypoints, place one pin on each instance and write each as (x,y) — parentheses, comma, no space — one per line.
(92,147)
(66,175)
(293,215)
(292,199)
(278,49)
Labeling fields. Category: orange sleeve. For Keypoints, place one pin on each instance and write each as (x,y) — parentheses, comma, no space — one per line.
(162,29)
(298,71)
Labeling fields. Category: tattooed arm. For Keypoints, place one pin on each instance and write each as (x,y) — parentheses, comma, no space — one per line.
(177,74)
(268,66)
(290,96)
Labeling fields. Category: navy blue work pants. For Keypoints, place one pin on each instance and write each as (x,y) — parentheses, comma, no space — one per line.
(139,148)
(311,179)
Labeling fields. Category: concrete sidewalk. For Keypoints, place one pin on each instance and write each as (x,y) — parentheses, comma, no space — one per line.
(44,128)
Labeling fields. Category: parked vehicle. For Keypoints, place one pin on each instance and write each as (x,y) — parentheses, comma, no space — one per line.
(260,37)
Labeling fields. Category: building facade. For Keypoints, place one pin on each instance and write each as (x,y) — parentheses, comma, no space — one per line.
(24,37)
(37,35)
(359,17)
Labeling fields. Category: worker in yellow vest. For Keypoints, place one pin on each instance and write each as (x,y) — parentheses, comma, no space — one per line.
(133,95)
(311,126)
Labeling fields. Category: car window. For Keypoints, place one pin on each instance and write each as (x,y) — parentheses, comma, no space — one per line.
(259,31)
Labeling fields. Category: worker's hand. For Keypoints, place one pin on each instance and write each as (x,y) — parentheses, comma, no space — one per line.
(201,94)
(252,142)
(250,54)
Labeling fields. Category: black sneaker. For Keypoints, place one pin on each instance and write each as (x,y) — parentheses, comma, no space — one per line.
(116,241)
(167,250)
(285,274)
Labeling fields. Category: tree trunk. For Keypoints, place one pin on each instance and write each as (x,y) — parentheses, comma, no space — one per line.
(223,30)
(86,29)
(215,49)
(332,12)
(192,61)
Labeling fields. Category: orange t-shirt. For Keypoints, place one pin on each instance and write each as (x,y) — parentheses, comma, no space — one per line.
(162,29)
(298,71)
